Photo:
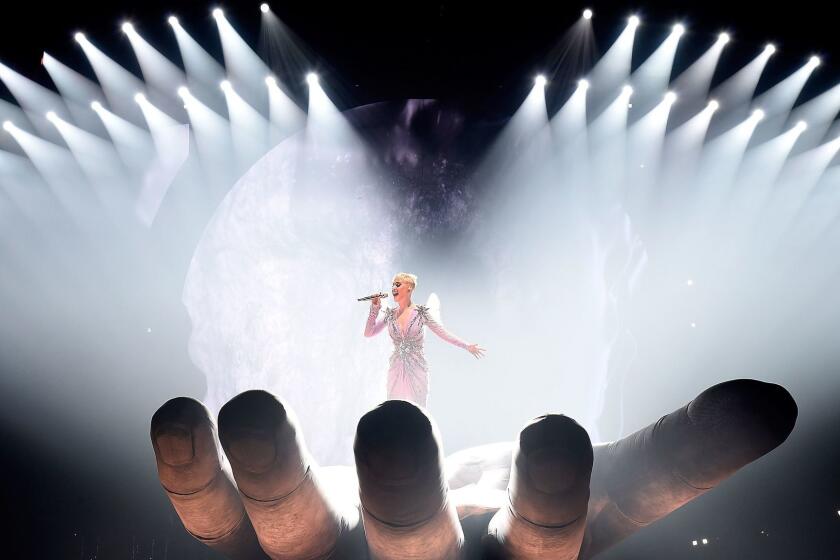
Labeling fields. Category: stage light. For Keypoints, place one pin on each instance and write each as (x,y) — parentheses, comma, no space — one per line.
(8,126)
(312,78)
(801,126)
(264,8)
(270,81)
(627,91)
(587,14)
(183,92)
(218,13)
(693,543)
(670,97)
(96,106)
(634,21)
(814,61)
(225,85)
(679,29)
(705,541)
(758,114)
(51,116)
(127,28)
(724,38)
(139,98)
(583,84)
(770,48)
(540,80)
(713,105)
(80,37)
(173,21)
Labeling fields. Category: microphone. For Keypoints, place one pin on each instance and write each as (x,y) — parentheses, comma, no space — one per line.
(367,298)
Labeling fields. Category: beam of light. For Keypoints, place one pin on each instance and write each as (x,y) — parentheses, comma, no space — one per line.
(736,92)
(201,68)
(160,124)
(284,115)
(34,99)
(213,140)
(242,64)
(694,82)
(248,128)
(569,132)
(264,8)
(607,145)
(76,90)
(158,71)
(118,84)
(613,68)
(651,79)
(325,124)
(779,100)
(816,222)
(133,144)
(819,113)
(587,14)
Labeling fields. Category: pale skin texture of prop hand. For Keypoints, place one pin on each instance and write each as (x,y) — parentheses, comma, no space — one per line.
(549,494)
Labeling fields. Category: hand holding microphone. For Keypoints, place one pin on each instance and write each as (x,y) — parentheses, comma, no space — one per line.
(374,297)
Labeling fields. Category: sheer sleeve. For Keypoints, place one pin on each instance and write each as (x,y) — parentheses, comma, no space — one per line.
(440,330)
(374,326)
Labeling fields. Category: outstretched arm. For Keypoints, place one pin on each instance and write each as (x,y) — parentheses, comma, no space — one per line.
(441,331)
(374,326)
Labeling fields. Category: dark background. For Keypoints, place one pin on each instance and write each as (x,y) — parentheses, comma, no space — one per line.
(75,497)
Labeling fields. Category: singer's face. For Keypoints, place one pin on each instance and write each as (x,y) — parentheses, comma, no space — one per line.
(400,289)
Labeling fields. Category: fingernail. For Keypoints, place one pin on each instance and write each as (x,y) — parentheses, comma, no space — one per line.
(175,444)
(255,450)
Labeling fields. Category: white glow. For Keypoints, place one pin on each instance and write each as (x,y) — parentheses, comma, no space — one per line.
(225,85)
(583,84)
(724,38)
(627,91)
(814,61)
(96,106)
(183,93)
(587,14)
(51,116)
(312,78)
(634,21)
(770,48)
(705,541)
(173,21)
(127,28)
(713,105)
(540,80)
(218,13)
(264,8)
(139,98)
(689,282)
(670,97)
(801,126)
(758,114)
(80,37)
(679,29)
(8,126)
(270,81)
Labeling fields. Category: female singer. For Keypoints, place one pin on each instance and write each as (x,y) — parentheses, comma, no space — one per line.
(408,374)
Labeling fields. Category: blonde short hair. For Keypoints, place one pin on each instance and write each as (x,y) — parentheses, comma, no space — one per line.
(407,278)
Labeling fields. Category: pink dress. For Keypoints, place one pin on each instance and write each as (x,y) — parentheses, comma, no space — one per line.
(408,373)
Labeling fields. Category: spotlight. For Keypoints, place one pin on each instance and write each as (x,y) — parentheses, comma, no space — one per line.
(705,541)
(679,29)
(758,114)
(540,80)
(627,91)
(670,97)
(312,78)
(225,85)
(96,106)
(583,84)
(218,13)
(587,14)
(270,81)
(264,8)
(770,48)
(127,28)
(80,37)
(51,116)
(814,61)
(693,543)
(139,98)
(801,126)
(183,92)
(713,105)
(634,21)
(173,21)
(724,38)
(8,126)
